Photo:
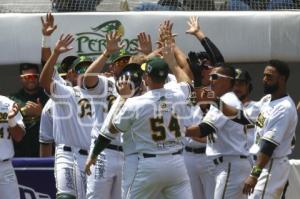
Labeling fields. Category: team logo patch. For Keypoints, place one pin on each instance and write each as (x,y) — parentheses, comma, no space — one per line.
(260,120)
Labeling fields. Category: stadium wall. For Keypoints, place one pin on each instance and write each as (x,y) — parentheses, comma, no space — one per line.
(241,36)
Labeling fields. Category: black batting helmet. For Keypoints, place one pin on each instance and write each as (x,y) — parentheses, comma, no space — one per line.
(133,71)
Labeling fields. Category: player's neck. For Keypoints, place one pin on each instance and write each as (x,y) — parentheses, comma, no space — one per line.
(281,92)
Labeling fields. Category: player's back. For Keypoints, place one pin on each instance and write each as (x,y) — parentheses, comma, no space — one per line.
(157,120)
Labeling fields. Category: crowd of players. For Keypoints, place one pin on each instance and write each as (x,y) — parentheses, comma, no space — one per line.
(158,124)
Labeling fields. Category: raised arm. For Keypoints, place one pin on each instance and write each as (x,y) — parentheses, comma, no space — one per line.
(231,112)
(166,36)
(48,28)
(212,50)
(62,46)
(144,43)
(91,74)
(168,54)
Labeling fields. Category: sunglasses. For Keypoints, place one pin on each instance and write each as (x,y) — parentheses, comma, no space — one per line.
(80,70)
(29,76)
(215,76)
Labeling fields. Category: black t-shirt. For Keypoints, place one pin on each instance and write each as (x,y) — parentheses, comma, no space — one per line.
(29,145)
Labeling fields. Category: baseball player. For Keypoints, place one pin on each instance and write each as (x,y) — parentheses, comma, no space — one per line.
(275,121)
(11,127)
(151,129)
(242,88)
(134,72)
(46,137)
(71,148)
(226,139)
(106,178)
(199,166)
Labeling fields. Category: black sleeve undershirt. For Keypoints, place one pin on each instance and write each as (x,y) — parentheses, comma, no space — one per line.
(206,129)
(267,147)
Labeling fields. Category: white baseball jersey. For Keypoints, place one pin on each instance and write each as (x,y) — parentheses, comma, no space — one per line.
(107,172)
(276,121)
(128,138)
(103,105)
(250,128)
(171,78)
(156,120)
(196,119)
(73,113)
(127,141)
(6,144)
(229,137)
(46,126)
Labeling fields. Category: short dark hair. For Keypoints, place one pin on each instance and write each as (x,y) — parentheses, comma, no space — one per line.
(27,66)
(281,67)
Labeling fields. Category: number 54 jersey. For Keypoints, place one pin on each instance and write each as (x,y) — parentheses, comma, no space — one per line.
(156,120)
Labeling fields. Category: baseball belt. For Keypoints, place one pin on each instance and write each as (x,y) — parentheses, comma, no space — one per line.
(195,150)
(115,147)
(147,155)
(219,160)
(81,151)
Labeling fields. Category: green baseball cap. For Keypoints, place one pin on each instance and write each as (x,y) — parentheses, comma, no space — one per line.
(156,68)
(67,63)
(122,53)
(81,63)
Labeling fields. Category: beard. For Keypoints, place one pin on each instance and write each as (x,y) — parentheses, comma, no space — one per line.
(269,89)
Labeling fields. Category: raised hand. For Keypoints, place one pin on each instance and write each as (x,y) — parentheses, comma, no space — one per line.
(193,24)
(62,45)
(168,53)
(13,112)
(145,44)
(113,42)
(165,30)
(48,26)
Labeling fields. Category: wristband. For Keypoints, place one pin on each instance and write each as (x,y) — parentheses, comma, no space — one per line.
(46,40)
(12,123)
(256,171)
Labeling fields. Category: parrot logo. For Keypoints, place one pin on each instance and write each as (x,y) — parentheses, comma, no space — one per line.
(110,26)
(93,42)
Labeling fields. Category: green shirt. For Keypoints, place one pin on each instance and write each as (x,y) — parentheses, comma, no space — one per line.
(29,145)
